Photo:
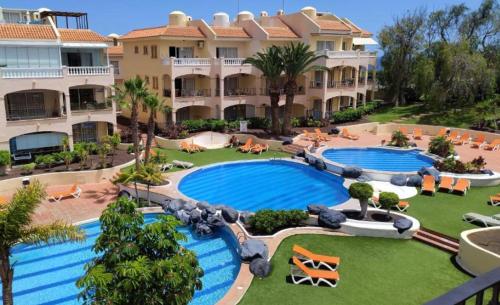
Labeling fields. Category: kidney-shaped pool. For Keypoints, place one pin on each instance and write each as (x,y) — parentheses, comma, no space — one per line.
(255,185)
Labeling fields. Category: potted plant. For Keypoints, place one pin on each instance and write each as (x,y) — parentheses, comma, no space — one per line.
(4,161)
(363,192)
(388,200)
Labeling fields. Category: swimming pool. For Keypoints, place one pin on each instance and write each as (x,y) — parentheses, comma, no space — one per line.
(47,274)
(276,184)
(381,159)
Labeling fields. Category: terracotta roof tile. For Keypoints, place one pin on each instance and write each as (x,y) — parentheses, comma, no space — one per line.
(26,31)
(174,31)
(81,35)
(280,32)
(332,25)
(115,50)
(230,32)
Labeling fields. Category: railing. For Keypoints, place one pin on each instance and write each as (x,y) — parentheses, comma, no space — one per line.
(473,288)
(346,83)
(192,93)
(192,61)
(346,54)
(31,72)
(29,114)
(300,91)
(92,106)
(316,85)
(233,61)
(81,71)
(240,91)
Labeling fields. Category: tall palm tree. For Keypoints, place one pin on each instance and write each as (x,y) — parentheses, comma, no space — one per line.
(128,176)
(270,64)
(16,226)
(130,95)
(151,175)
(297,60)
(154,104)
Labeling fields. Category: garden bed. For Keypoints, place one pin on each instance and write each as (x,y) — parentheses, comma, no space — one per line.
(488,240)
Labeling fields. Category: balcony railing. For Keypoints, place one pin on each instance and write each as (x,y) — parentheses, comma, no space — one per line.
(192,61)
(346,83)
(29,114)
(240,92)
(346,54)
(316,85)
(91,106)
(83,71)
(233,61)
(192,92)
(31,72)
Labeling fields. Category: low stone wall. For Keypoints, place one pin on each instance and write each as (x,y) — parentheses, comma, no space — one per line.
(474,258)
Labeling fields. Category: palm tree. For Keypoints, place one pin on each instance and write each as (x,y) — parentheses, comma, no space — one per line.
(129,95)
(270,64)
(16,227)
(153,103)
(151,175)
(128,176)
(297,60)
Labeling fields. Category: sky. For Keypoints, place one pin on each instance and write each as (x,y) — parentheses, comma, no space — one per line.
(121,16)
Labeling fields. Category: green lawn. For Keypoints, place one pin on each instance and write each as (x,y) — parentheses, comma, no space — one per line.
(386,114)
(372,271)
(443,212)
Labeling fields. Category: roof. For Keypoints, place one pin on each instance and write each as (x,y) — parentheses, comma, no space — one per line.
(115,51)
(169,30)
(27,31)
(357,30)
(280,32)
(81,35)
(230,32)
(333,25)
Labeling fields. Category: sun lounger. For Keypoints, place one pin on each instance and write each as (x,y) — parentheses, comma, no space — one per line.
(428,185)
(182,164)
(403,130)
(495,200)
(478,142)
(441,132)
(321,136)
(197,148)
(462,186)
(74,192)
(487,221)
(300,273)
(259,148)
(446,183)
(464,139)
(347,135)
(165,167)
(184,146)
(374,202)
(247,147)
(452,136)
(417,134)
(495,145)
(402,206)
(309,136)
(316,260)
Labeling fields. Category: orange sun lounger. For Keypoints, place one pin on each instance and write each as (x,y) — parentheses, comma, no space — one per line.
(300,273)
(428,185)
(308,135)
(186,147)
(321,136)
(452,136)
(478,142)
(401,206)
(417,134)
(347,135)
(446,183)
(247,147)
(464,139)
(74,192)
(441,132)
(403,130)
(462,186)
(495,145)
(316,260)
(259,148)
(495,200)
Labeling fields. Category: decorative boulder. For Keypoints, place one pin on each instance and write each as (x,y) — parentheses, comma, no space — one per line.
(183,216)
(315,209)
(414,180)
(252,249)
(301,153)
(331,219)
(174,206)
(229,214)
(311,161)
(260,267)
(195,216)
(127,195)
(202,205)
(402,224)
(399,180)
(335,131)
(207,212)
(215,221)
(412,144)
(351,172)
(203,229)
(430,171)
(320,164)
(287,142)
(363,178)
(189,206)
(487,172)
(245,217)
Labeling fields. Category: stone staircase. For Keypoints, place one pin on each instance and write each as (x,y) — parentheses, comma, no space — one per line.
(437,240)
(293,148)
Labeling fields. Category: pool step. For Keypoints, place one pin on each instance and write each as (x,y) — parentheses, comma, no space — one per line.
(437,240)
(293,148)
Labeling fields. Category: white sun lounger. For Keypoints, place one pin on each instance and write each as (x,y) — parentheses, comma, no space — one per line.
(165,167)
(487,221)
(182,164)
(302,274)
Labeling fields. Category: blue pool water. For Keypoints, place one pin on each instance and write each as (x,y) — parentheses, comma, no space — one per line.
(251,186)
(47,274)
(381,159)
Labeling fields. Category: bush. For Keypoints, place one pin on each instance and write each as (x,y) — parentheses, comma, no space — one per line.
(27,169)
(195,125)
(259,123)
(458,167)
(216,125)
(388,200)
(130,149)
(399,139)
(295,122)
(269,221)
(347,115)
(4,157)
(361,190)
(233,125)
(441,146)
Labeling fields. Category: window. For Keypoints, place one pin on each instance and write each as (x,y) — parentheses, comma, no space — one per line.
(155,82)
(344,46)
(82,99)
(136,49)
(85,132)
(145,50)
(154,52)
(116,66)
(25,106)
(325,45)
(181,52)
(146,79)
(226,52)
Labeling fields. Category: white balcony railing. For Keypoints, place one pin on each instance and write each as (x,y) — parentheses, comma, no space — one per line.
(346,54)
(31,72)
(233,61)
(83,71)
(192,61)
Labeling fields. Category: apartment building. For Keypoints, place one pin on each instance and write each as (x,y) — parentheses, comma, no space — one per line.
(54,82)
(198,67)
(115,53)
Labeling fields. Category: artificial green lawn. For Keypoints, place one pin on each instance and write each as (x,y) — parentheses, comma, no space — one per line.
(386,114)
(443,212)
(372,271)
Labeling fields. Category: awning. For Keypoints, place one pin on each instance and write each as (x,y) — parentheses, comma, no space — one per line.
(84,45)
(361,41)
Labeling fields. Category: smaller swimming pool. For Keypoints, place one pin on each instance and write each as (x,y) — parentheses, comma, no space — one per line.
(381,159)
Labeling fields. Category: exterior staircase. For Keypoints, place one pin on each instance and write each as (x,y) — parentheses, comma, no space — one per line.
(293,148)
(437,240)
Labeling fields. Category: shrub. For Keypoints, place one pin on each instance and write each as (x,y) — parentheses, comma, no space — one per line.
(27,169)
(130,149)
(458,167)
(195,125)
(399,139)
(347,115)
(441,146)
(259,123)
(4,158)
(269,221)
(233,125)
(216,125)
(45,161)
(388,200)
(295,122)
(363,192)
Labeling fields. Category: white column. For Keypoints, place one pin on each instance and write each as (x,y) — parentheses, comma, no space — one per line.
(172,95)
(68,105)
(61,103)
(3,114)
(366,76)
(221,93)
(325,92)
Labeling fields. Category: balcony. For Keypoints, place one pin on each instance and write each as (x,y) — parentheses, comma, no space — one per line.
(192,92)
(191,61)
(347,54)
(88,71)
(238,92)
(233,61)
(23,73)
(91,106)
(341,84)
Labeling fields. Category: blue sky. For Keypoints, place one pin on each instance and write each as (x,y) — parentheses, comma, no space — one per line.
(121,16)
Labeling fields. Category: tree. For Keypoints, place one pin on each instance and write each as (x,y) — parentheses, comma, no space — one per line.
(130,176)
(113,140)
(151,175)
(137,263)
(16,227)
(130,95)
(154,104)
(441,146)
(481,27)
(297,60)
(103,150)
(271,66)
(388,200)
(363,192)
(67,156)
(399,139)
(82,152)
